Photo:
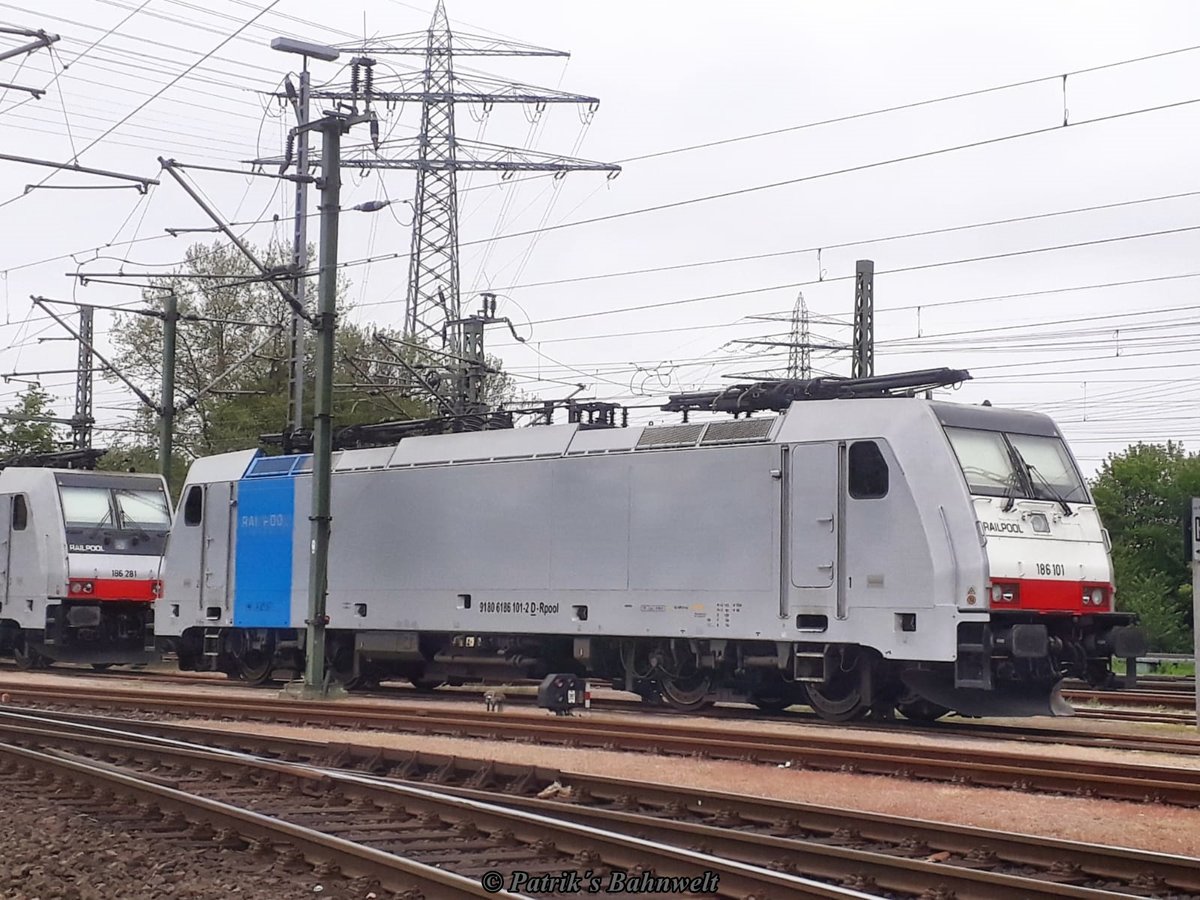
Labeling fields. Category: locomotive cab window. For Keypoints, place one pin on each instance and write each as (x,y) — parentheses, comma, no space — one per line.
(193,505)
(868,475)
(20,513)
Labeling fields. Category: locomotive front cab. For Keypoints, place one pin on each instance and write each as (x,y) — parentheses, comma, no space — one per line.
(1050,589)
(83,591)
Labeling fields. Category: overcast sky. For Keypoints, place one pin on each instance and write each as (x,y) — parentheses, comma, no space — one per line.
(1113,364)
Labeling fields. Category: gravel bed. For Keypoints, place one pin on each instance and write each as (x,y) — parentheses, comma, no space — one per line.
(1146,826)
(52,850)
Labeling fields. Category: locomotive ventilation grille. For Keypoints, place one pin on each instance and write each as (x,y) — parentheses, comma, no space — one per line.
(738,430)
(734,431)
(669,436)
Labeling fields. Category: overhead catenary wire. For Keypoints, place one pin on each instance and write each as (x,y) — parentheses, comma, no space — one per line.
(881,310)
(157,94)
(914,268)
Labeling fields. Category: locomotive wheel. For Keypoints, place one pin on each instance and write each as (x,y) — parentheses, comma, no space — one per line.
(340,659)
(28,658)
(255,667)
(25,658)
(102,667)
(839,702)
(687,695)
(772,704)
(918,709)
(425,685)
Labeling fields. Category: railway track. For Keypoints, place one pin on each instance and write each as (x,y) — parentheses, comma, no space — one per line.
(415,841)
(980,766)
(861,851)
(952,726)
(1169,699)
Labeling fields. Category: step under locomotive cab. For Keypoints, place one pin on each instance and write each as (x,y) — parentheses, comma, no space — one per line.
(79,559)
(853,554)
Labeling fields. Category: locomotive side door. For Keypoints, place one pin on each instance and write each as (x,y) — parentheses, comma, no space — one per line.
(217,552)
(813,520)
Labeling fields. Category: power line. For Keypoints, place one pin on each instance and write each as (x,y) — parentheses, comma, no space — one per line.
(157,94)
(845,244)
(915,268)
(911,105)
(1042,293)
(851,169)
(786,183)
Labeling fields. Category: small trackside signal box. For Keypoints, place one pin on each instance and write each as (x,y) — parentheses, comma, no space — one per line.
(561,693)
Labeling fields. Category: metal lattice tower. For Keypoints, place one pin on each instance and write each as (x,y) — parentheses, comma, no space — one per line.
(433,313)
(800,349)
(81,422)
(800,341)
(433,266)
(862,364)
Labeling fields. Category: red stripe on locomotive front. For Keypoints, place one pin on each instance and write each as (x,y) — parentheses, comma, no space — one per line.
(1047,594)
(144,589)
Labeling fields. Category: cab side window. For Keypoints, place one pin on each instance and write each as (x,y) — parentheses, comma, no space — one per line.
(20,513)
(868,475)
(193,505)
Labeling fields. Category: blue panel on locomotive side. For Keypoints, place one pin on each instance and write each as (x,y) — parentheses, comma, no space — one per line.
(263,586)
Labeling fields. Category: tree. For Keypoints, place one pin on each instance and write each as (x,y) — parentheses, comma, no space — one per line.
(1143,495)
(236,368)
(240,372)
(24,428)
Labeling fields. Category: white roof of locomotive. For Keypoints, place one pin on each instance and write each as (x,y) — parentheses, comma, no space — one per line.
(809,420)
(16,478)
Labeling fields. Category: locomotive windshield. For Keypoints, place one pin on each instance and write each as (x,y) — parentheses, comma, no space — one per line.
(141,508)
(105,513)
(1022,466)
(108,507)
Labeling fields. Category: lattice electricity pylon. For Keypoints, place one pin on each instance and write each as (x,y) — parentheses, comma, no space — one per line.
(800,342)
(437,156)
(800,353)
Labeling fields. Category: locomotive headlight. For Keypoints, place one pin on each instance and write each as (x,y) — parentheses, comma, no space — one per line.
(1095,596)
(1004,593)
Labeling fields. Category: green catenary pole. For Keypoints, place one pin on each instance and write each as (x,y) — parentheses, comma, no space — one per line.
(324,326)
(166,402)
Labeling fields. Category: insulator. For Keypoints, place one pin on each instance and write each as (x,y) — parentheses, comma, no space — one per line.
(289,148)
(369,78)
(354,69)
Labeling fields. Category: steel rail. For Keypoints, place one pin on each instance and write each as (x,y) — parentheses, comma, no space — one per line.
(974,766)
(353,858)
(951,725)
(1169,698)
(773,825)
(1146,716)
(735,879)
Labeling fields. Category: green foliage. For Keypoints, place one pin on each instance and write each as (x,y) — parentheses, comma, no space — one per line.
(23,429)
(1143,495)
(233,378)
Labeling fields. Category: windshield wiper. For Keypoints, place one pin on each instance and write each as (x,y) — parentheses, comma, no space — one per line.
(1054,493)
(1010,492)
(103,521)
